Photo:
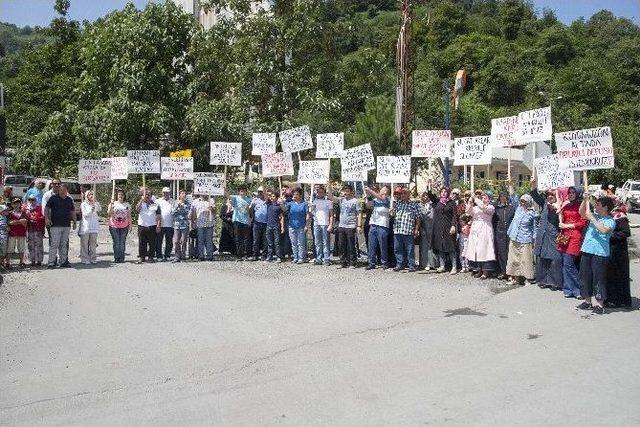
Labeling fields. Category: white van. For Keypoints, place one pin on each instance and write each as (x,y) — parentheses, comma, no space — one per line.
(19,183)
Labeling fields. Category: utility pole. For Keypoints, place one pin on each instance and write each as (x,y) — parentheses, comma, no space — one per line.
(403,77)
(447,125)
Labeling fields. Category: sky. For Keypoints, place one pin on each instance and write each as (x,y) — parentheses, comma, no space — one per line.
(40,12)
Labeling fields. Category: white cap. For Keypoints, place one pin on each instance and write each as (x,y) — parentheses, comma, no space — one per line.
(166,190)
(261,188)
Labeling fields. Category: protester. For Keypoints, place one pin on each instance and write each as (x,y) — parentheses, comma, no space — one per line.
(89,228)
(35,230)
(17,233)
(275,226)
(406,227)
(149,225)
(445,221)
(464,222)
(119,212)
(322,211)
(227,242)
(4,233)
(258,208)
(426,257)
(349,223)
(8,193)
(241,222)
(548,259)
(378,241)
(521,232)
(479,251)
(181,211)
(166,204)
(60,217)
(569,242)
(297,211)
(618,282)
(37,191)
(203,219)
(595,253)
(502,217)
(285,240)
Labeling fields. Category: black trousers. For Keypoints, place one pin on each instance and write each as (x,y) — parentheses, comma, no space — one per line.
(166,234)
(347,245)
(593,276)
(241,233)
(146,242)
(259,235)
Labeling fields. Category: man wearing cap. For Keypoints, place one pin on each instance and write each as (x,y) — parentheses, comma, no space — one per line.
(258,209)
(166,204)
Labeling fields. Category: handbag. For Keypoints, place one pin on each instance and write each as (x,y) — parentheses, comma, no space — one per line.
(562,239)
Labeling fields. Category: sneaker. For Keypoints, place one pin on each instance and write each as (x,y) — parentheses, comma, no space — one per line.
(396,269)
(342,266)
(317,262)
(352,266)
(300,261)
(278,260)
(370,267)
(326,263)
(597,310)
(453,271)
(584,306)
(439,270)
(411,270)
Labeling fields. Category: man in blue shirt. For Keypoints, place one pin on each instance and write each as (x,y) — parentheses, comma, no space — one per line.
(241,204)
(259,209)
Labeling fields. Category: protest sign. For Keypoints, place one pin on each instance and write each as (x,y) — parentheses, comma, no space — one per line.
(187,152)
(355,176)
(119,167)
(504,131)
(393,169)
(208,184)
(143,161)
(226,154)
(263,143)
(176,168)
(277,164)
(94,171)
(549,174)
(585,149)
(472,150)
(329,145)
(296,139)
(431,143)
(313,172)
(534,125)
(356,160)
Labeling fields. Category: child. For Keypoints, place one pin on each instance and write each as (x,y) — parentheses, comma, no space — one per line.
(17,232)
(4,233)
(465,229)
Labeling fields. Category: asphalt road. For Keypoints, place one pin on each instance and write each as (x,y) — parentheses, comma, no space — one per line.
(246,344)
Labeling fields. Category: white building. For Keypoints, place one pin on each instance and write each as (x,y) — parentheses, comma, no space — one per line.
(210,18)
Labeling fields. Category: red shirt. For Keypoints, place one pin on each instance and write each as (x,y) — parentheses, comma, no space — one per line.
(571,215)
(17,230)
(35,217)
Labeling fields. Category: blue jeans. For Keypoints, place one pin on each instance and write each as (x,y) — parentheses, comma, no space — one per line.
(404,248)
(119,237)
(378,241)
(298,243)
(571,282)
(321,236)
(205,243)
(273,243)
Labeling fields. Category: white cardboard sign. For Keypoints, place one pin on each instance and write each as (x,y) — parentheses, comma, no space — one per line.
(504,131)
(355,176)
(119,167)
(534,125)
(356,160)
(277,164)
(176,168)
(431,143)
(394,169)
(225,154)
(263,143)
(329,145)
(585,149)
(208,183)
(472,150)
(94,171)
(143,161)
(296,139)
(313,172)
(549,174)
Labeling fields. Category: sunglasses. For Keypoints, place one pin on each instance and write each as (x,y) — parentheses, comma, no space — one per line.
(56,183)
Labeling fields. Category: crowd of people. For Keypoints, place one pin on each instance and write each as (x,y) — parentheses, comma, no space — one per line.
(563,240)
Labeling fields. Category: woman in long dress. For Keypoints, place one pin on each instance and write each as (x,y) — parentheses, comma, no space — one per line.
(445,223)
(227,242)
(427,257)
(502,217)
(480,251)
(618,287)
(521,233)
(548,258)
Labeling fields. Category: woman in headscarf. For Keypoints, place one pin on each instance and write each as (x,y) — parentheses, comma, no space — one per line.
(227,241)
(480,251)
(521,232)
(502,217)
(427,258)
(569,242)
(618,287)
(548,259)
(445,229)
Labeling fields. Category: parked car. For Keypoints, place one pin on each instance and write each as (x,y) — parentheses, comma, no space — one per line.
(19,183)
(629,193)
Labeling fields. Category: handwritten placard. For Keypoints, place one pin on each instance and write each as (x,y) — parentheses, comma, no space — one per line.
(94,171)
(119,167)
(277,164)
(549,174)
(143,161)
(585,149)
(393,169)
(534,125)
(313,172)
(431,143)
(329,145)
(472,150)
(504,131)
(225,153)
(362,176)
(356,160)
(176,168)
(296,139)
(208,184)
(263,143)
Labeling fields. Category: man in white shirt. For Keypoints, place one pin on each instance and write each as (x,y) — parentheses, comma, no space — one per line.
(322,210)
(166,204)
(203,219)
(149,224)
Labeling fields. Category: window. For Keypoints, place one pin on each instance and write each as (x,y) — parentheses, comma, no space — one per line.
(18,180)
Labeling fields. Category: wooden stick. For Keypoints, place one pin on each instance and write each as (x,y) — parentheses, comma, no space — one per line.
(280,185)
(533,172)
(144,182)
(392,196)
(585,180)
(509,166)
(473,179)
(113,189)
